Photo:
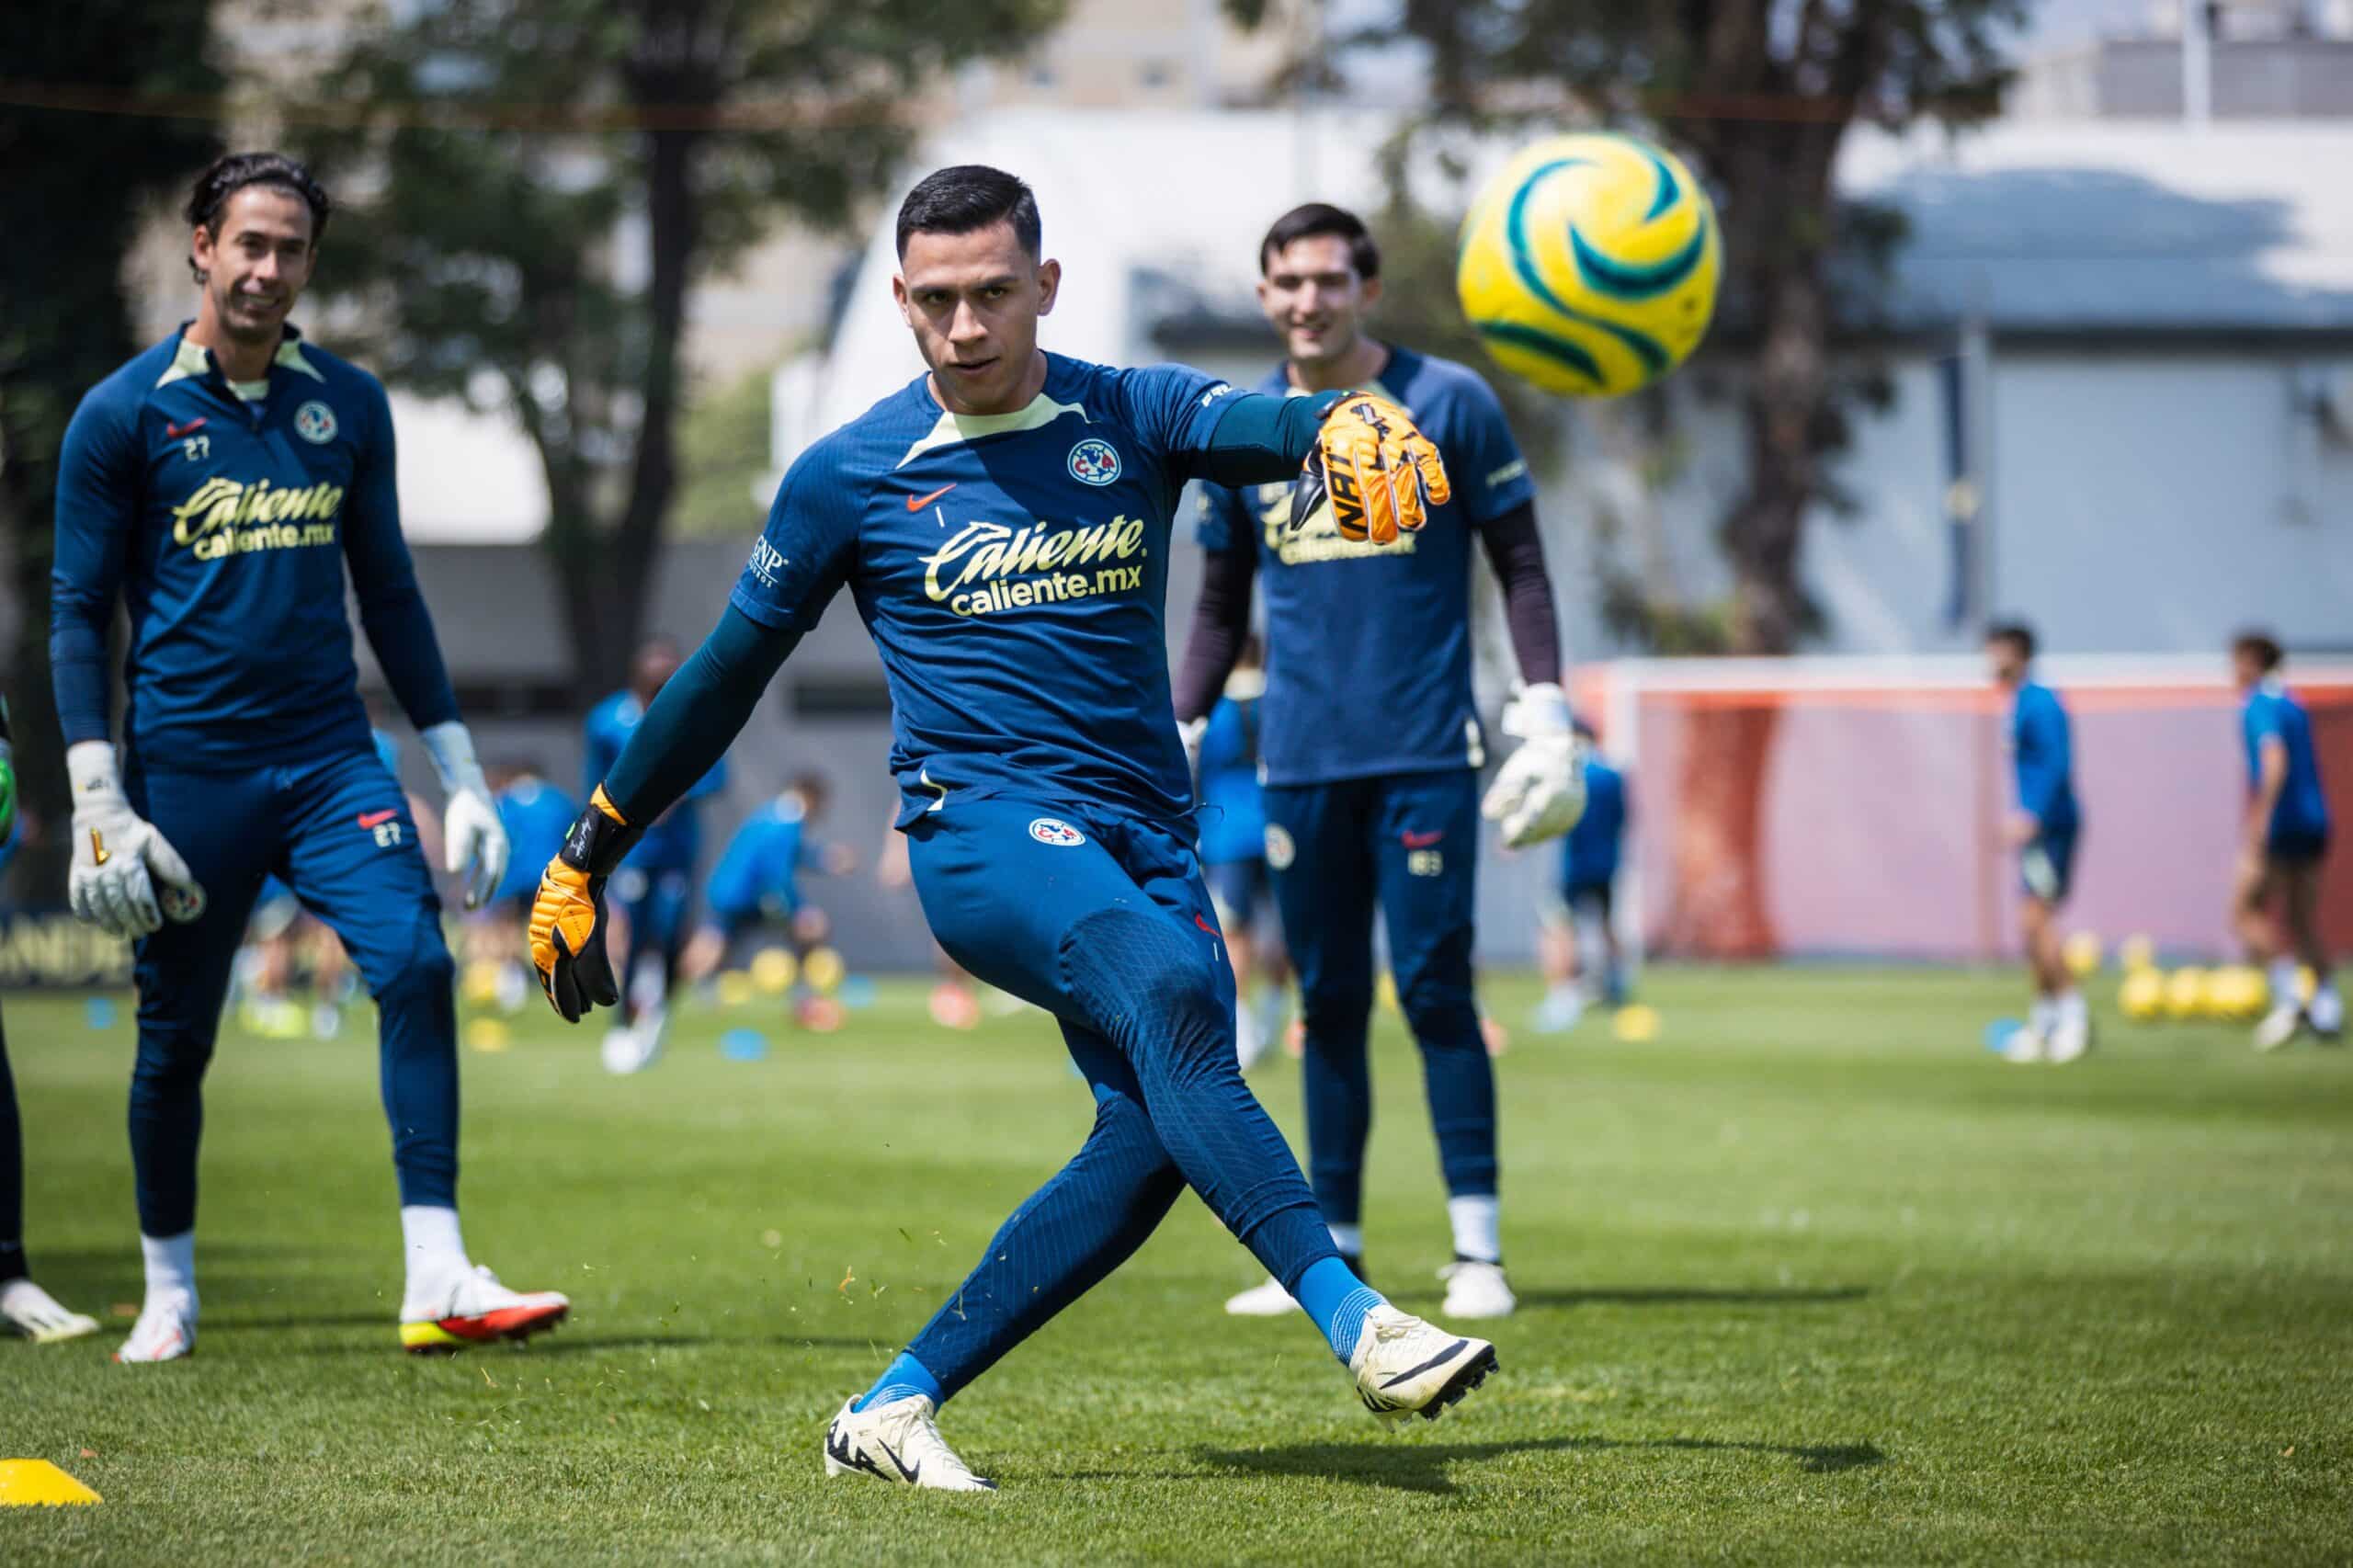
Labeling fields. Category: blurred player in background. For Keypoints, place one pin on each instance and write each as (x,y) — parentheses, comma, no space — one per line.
(25,1308)
(1370,744)
(219,485)
(1579,942)
(2283,847)
(534,815)
(654,894)
(1234,852)
(757,880)
(2042,828)
(1041,780)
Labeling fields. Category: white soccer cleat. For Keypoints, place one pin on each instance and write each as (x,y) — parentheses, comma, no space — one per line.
(1476,1291)
(472,1309)
(27,1309)
(165,1330)
(628,1051)
(2026,1044)
(2325,1013)
(2279,1026)
(2068,1041)
(1405,1366)
(900,1443)
(1267,1301)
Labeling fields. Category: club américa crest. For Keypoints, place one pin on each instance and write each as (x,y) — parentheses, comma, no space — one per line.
(1056,831)
(315,422)
(1092,461)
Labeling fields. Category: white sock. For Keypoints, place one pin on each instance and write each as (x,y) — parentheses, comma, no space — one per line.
(431,1243)
(2283,983)
(171,1264)
(1476,1223)
(2043,1016)
(1349,1239)
(2072,1014)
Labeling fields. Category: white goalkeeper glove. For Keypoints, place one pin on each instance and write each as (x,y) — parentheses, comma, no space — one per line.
(473,842)
(1539,793)
(125,876)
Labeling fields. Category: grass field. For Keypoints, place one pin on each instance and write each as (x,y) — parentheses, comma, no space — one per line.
(1810,1276)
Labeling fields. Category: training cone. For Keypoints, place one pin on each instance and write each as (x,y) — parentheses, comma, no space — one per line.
(1635,1022)
(37,1483)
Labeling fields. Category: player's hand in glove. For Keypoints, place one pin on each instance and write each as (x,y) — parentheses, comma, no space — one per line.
(473,840)
(1381,476)
(1539,793)
(126,878)
(568,916)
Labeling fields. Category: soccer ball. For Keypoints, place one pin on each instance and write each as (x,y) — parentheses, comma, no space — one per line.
(1589,265)
(2143,996)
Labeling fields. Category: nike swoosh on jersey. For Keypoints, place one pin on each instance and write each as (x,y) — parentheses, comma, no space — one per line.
(918,503)
(374,819)
(1421,840)
(173,432)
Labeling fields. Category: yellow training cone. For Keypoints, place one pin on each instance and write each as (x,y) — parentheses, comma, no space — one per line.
(29,1482)
(1635,1023)
(825,971)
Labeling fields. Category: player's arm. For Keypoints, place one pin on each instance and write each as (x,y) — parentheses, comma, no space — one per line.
(118,858)
(1228,535)
(2270,783)
(2043,761)
(400,629)
(800,561)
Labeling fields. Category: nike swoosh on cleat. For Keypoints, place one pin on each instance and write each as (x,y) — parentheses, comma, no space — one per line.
(838,1446)
(1446,1355)
(918,503)
(904,1471)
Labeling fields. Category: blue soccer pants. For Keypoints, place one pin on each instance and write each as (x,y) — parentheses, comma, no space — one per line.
(1104,922)
(338,832)
(1408,845)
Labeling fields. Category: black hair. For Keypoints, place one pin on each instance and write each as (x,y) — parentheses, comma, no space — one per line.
(2017,633)
(233,172)
(1323,217)
(967,197)
(815,785)
(2260,646)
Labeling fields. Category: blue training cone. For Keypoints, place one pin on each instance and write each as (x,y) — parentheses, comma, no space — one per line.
(743,1045)
(1998,1033)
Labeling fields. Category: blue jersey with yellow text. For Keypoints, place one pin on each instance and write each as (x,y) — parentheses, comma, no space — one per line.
(1012,569)
(2272,713)
(675,840)
(2042,759)
(1367,645)
(225,525)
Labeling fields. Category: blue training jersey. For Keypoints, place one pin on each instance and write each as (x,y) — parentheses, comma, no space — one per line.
(759,871)
(1589,853)
(1013,572)
(1367,645)
(2042,757)
(1233,811)
(2303,809)
(225,526)
(536,815)
(675,840)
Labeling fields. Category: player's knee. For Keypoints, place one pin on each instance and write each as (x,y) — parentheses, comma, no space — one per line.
(1341,1000)
(422,969)
(1440,1011)
(170,1061)
(1146,986)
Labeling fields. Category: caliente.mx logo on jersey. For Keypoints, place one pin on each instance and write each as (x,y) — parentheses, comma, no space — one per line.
(984,566)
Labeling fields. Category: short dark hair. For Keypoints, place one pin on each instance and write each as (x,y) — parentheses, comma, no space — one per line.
(231,172)
(967,197)
(2260,646)
(1322,218)
(2017,633)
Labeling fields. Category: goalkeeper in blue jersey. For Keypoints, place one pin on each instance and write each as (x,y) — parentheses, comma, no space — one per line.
(1003,523)
(2282,847)
(2043,827)
(1369,741)
(228,486)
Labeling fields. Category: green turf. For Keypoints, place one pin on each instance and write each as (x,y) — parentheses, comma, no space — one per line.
(1810,1276)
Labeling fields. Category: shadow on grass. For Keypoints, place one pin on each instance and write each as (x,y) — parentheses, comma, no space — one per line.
(1693,1295)
(1422,1467)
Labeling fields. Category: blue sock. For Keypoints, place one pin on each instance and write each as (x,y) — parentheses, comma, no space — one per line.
(1338,1301)
(903,1378)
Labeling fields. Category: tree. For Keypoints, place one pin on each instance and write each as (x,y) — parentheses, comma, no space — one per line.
(82,161)
(521,158)
(1761,96)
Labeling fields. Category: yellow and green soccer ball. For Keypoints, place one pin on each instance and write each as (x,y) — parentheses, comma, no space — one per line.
(1589,265)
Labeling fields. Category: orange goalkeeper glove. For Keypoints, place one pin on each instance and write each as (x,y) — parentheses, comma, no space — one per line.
(1381,476)
(568,916)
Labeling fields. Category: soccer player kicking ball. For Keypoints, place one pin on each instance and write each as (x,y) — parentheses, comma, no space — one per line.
(1369,745)
(219,485)
(25,1307)
(1003,523)
(2286,842)
(2042,830)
